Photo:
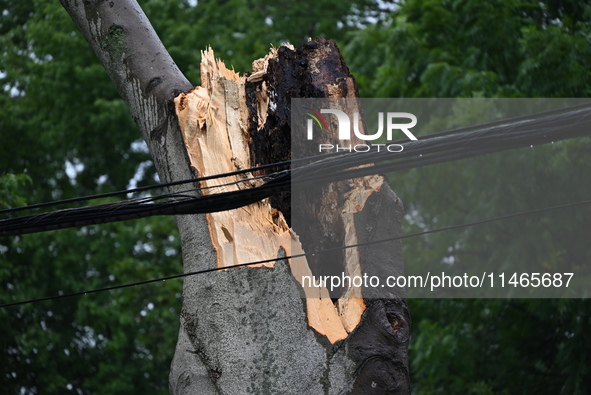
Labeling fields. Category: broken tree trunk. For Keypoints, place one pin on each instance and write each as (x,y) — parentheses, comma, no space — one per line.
(249,330)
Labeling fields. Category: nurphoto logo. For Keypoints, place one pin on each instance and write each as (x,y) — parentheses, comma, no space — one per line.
(344,128)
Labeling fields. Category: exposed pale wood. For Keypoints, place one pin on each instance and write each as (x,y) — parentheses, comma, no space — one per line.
(322,314)
(351,306)
(213,121)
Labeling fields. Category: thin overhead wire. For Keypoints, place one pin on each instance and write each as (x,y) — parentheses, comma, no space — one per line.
(260,262)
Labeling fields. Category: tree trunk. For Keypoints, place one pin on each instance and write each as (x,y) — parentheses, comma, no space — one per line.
(249,330)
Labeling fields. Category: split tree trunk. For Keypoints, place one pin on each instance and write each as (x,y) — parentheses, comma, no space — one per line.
(249,330)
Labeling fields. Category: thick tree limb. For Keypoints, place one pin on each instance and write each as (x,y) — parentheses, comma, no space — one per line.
(143,72)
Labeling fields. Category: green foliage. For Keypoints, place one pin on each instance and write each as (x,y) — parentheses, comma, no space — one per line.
(500,48)
(65,133)
(100,343)
(501,347)
(9,185)
(471,48)
(241,31)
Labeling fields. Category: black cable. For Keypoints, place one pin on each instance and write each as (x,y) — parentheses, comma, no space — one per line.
(114,212)
(512,120)
(150,187)
(504,122)
(176,276)
(568,124)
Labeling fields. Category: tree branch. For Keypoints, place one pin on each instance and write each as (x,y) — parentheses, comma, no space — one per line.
(141,69)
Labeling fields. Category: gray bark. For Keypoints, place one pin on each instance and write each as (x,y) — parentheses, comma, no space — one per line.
(242,331)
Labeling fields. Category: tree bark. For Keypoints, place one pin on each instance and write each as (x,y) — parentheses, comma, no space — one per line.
(249,330)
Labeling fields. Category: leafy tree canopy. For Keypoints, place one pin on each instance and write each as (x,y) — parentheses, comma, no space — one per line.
(501,48)
(470,48)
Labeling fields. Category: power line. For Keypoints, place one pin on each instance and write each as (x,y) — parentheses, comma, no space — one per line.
(486,138)
(512,120)
(151,187)
(194,273)
(141,208)
(545,115)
